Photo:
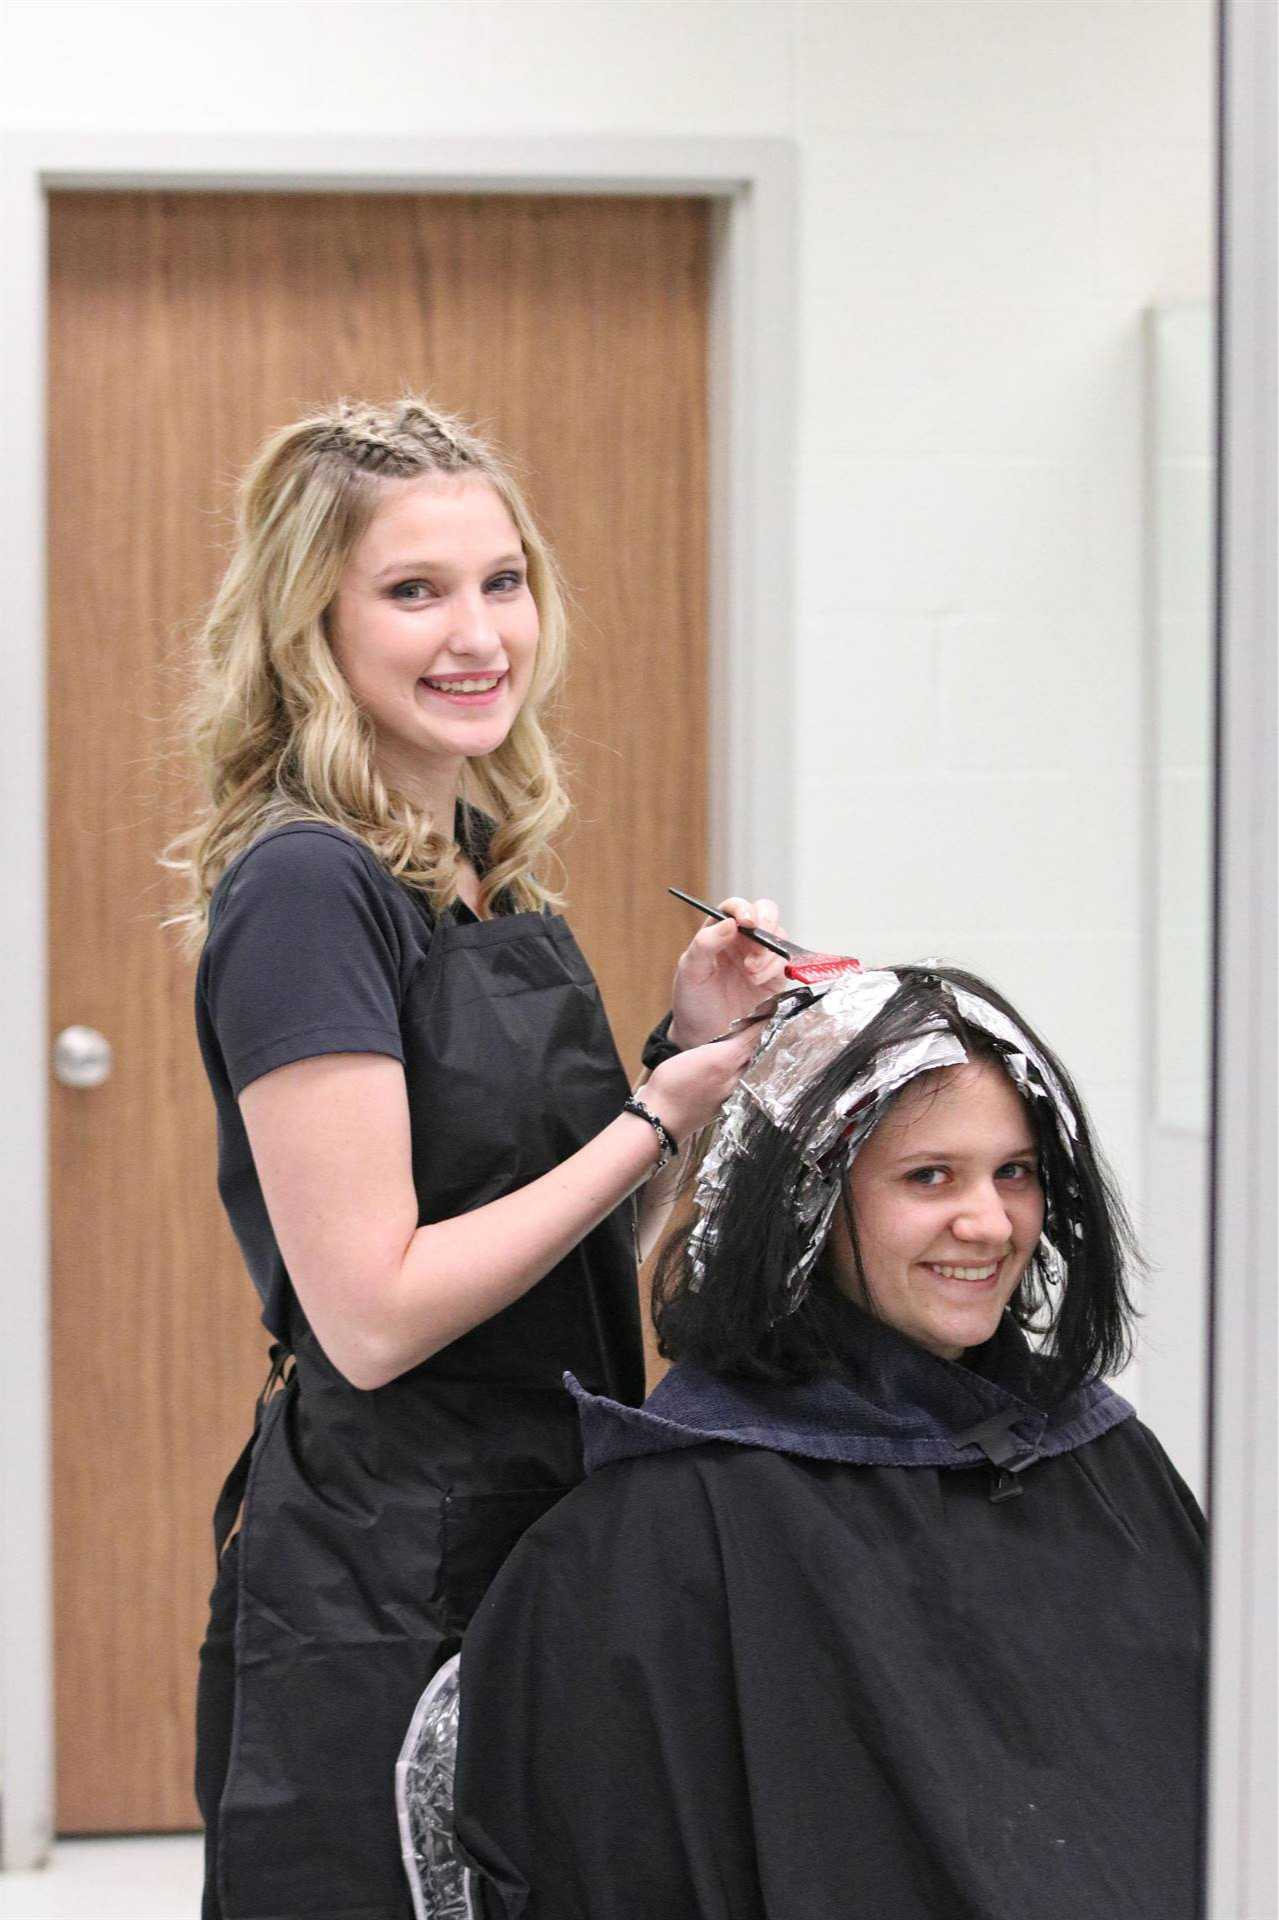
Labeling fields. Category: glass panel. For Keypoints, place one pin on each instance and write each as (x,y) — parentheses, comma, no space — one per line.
(1183,477)
(1181,491)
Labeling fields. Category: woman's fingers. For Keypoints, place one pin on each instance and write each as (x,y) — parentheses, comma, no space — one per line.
(721,975)
(720,941)
(738,1050)
(759,964)
(763,914)
(688,1091)
(712,941)
(742,910)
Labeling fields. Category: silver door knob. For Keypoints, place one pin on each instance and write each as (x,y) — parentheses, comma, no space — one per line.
(82,1057)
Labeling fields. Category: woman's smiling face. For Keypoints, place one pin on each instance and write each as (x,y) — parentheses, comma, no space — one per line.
(949,1208)
(434,627)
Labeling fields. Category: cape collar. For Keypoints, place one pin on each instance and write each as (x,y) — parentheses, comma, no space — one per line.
(889,1404)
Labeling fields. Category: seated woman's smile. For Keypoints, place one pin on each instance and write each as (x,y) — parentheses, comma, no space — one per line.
(949,1209)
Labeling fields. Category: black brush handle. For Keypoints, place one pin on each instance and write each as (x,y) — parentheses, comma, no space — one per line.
(786,948)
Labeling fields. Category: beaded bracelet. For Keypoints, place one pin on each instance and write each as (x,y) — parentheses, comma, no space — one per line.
(666,1140)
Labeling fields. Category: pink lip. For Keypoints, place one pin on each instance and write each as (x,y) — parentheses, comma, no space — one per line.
(952,1280)
(457,699)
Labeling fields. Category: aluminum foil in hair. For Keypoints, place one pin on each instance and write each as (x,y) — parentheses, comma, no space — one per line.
(807,1030)
(1020,1058)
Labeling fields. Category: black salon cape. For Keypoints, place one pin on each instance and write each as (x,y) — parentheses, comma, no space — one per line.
(727,1679)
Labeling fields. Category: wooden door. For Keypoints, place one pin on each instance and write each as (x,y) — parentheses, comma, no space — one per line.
(182,328)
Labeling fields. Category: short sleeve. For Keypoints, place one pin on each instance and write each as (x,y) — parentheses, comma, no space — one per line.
(303,956)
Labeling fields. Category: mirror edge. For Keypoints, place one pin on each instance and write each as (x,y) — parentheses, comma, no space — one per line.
(1241,1863)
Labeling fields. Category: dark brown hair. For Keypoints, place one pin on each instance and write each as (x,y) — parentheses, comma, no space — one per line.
(738,1316)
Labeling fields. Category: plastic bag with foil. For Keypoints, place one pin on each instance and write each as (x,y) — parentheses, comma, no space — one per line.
(424,1802)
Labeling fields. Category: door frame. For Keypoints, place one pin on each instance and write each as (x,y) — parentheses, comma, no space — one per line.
(751,185)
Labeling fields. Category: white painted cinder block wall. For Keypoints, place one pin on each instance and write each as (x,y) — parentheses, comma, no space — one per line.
(991,196)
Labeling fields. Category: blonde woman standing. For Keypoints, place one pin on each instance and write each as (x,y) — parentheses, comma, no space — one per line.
(424,1145)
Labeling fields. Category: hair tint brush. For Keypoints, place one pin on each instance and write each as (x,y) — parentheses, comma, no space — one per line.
(804,964)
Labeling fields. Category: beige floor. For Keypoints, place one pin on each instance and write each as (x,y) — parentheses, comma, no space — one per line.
(157,1879)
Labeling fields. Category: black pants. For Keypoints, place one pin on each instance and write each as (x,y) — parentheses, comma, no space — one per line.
(214,1712)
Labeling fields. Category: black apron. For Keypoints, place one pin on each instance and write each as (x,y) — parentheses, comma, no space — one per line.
(372,1522)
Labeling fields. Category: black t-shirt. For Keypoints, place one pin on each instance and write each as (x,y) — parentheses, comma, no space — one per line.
(311,949)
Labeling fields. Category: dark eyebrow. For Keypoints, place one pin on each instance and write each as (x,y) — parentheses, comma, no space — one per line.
(1026,1152)
(435,566)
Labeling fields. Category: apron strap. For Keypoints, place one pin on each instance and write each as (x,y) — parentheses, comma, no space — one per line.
(231,1498)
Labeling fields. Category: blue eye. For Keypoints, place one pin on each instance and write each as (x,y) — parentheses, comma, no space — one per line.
(1017,1170)
(410,590)
(505,583)
(927,1176)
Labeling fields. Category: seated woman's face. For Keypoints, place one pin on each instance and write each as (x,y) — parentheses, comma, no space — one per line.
(948,1205)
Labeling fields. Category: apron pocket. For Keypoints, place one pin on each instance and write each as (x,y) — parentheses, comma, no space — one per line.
(479,1530)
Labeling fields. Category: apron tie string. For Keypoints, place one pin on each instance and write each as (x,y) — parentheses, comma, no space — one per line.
(231,1498)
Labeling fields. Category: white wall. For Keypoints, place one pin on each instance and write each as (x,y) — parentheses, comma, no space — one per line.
(991,195)
(1181,479)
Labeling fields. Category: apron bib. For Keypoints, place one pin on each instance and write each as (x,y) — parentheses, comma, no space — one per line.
(372,1522)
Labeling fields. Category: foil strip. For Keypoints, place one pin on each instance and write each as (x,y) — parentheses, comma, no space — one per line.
(1021,1056)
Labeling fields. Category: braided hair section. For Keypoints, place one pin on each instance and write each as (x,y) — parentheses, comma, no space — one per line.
(400,442)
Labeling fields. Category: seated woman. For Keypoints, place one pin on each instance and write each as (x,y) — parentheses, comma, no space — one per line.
(878,1609)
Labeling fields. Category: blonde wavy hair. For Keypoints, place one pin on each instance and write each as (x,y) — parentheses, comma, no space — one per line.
(275,729)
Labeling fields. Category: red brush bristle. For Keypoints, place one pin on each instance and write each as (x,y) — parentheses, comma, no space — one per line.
(816,967)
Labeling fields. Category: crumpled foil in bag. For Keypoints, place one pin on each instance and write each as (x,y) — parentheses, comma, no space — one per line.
(424,1802)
